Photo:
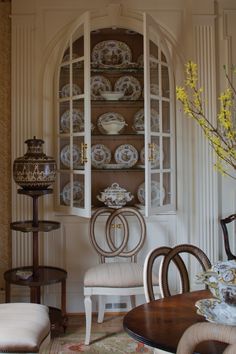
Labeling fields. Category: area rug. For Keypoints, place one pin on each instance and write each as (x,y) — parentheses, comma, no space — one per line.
(107,338)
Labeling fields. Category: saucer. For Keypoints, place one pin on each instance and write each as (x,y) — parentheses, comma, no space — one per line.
(217,312)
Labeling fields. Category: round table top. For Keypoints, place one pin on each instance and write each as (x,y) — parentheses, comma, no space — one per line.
(161,323)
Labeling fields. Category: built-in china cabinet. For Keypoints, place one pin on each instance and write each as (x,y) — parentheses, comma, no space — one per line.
(65,54)
(115,119)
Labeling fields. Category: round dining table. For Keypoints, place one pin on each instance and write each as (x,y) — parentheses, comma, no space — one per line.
(161,323)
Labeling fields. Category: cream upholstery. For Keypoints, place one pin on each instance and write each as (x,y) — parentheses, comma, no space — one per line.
(23,327)
(120,275)
(200,332)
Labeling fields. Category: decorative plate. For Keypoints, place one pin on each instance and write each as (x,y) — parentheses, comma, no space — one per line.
(98,84)
(138,122)
(156,156)
(126,154)
(153,61)
(108,118)
(67,57)
(156,195)
(111,53)
(78,194)
(76,64)
(78,121)
(65,91)
(154,89)
(65,156)
(130,86)
(217,312)
(100,155)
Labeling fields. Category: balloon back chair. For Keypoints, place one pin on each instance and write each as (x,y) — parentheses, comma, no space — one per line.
(184,278)
(224,223)
(118,273)
(169,254)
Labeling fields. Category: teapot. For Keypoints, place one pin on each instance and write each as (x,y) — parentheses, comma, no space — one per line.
(115,196)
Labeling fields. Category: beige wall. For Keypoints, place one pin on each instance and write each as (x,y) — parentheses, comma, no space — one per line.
(5,137)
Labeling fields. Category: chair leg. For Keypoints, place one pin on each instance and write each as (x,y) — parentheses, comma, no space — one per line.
(132,301)
(88,317)
(101,308)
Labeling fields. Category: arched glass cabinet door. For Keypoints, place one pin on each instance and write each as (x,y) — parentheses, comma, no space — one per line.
(159,115)
(147,140)
(73,123)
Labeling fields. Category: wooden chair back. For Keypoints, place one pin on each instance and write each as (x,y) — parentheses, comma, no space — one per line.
(184,278)
(118,219)
(224,223)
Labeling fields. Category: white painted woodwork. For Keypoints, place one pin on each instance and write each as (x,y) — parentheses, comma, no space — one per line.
(39,28)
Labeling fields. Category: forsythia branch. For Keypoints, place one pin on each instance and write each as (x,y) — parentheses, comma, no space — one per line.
(222,138)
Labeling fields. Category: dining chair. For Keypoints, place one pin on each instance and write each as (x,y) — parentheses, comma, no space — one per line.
(200,332)
(184,278)
(224,223)
(148,269)
(118,272)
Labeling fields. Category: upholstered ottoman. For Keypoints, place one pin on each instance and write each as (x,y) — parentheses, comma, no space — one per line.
(24,327)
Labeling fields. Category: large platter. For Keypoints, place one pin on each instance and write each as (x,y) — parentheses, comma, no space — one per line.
(65,91)
(109,117)
(65,156)
(100,155)
(78,194)
(99,83)
(126,154)
(130,86)
(155,154)
(217,312)
(77,118)
(111,53)
(138,122)
(156,195)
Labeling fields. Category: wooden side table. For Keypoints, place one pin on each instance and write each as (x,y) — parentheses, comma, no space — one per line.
(41,275)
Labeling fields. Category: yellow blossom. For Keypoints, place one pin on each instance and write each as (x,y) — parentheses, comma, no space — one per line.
(222,138)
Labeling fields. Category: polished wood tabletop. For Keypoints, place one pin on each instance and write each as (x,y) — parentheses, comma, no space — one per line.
(161,323)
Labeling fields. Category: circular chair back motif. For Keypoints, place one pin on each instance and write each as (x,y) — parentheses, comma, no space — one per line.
(118,222)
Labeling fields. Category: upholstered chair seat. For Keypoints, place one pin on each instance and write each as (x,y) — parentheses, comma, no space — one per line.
(24,327)
(121,275)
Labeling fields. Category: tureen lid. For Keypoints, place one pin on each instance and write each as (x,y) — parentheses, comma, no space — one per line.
(114,188)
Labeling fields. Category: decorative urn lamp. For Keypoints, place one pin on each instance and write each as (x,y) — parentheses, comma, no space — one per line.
(35,170)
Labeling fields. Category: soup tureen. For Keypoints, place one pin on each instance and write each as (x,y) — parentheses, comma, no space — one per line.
(115,196)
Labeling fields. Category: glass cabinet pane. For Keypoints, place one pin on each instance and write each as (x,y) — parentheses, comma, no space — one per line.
(123,129)
(159,163)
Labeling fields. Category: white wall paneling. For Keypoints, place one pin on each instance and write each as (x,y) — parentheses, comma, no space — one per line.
(206,188)
(23,41)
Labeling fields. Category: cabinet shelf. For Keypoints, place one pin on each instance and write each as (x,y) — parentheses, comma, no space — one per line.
(122,103)
(118,170)
(97,135)
(117,71)
(28,226)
